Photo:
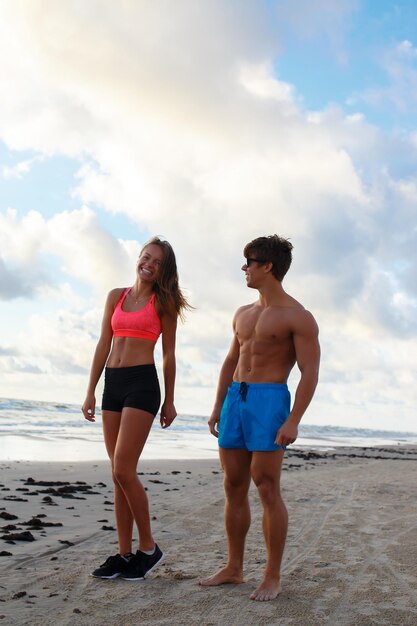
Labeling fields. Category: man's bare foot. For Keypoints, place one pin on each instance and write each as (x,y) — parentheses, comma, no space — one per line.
(269,589)
(225,576)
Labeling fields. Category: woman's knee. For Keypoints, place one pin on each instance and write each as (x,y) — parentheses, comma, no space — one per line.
(123,475)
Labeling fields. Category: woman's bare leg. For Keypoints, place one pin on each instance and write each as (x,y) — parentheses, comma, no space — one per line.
(135,425)
(123,514)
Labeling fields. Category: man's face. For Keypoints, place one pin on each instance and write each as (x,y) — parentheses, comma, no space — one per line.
(253,268)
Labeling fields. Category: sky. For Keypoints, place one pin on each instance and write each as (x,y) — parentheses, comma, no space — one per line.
(211,123)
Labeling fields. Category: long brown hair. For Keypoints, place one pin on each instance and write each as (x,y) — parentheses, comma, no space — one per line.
(167,289)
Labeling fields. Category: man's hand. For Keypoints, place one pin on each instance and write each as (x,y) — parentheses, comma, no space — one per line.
(213,423)
(287,434)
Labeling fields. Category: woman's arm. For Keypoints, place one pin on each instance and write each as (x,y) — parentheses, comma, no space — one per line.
(100,355)
(169,330)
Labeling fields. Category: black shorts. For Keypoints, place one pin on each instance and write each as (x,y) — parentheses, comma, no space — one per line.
(136,387)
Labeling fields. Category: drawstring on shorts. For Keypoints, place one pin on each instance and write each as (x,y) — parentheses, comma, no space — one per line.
(243,391)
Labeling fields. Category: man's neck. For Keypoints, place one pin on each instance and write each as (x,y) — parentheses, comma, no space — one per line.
(271,293)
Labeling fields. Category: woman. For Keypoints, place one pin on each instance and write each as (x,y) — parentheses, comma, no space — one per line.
(133,320)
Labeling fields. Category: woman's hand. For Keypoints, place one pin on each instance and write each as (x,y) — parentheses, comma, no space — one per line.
(89,408)
(168,414)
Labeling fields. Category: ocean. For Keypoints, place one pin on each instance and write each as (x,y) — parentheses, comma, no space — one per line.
(47,431)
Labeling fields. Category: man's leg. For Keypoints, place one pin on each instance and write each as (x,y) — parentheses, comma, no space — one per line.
(266,472)
(236,466)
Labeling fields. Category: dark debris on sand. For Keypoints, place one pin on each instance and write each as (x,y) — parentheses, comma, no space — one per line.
(25,535)
(393,453)
(62,489)
(13,532)
(7,516)
(37,523)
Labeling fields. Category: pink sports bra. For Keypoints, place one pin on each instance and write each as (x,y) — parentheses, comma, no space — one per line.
(142,324)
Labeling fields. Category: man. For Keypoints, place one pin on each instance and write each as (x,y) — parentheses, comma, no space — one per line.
(251,415)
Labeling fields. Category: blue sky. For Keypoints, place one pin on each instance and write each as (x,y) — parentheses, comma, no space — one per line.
(211,124)
(340,66)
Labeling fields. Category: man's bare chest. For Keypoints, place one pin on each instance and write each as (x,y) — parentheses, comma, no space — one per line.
(271,324)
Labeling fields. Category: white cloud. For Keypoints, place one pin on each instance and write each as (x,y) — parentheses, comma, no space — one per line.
(194,138)
(19,169)
(78,243)
(319,20)
(400,65)
(406,49)
(260,80)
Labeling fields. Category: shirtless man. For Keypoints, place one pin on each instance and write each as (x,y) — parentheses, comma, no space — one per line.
(252,416)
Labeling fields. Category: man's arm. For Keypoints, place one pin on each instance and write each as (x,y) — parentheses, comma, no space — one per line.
(225,380)
(307,350)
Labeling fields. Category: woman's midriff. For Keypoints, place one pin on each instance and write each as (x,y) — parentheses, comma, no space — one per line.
(128,351)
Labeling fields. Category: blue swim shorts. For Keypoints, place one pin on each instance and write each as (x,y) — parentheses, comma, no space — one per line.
(252,414)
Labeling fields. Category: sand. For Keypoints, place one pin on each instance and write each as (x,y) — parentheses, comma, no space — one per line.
(351,554)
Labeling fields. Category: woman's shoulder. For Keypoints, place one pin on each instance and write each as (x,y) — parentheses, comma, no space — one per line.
(115,294)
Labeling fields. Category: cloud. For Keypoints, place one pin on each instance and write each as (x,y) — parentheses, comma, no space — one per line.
(8,351)
(193,137)
(82,248)
(13,283)
(21,275)
(19,169)
(399,62)
(18,366)
(321,20)
(75,334)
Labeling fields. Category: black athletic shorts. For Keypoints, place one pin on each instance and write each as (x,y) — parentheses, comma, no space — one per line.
(136,387)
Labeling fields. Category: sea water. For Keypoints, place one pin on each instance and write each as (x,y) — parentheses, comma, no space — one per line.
(46,431)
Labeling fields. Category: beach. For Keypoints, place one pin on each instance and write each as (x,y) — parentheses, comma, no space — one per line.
(351,553)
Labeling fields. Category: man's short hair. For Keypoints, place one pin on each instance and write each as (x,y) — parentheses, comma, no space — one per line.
(273,249)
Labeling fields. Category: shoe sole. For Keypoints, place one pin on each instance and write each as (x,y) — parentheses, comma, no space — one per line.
(106,577)
(149,570)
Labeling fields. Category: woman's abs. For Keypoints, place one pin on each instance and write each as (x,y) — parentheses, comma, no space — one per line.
(127,352)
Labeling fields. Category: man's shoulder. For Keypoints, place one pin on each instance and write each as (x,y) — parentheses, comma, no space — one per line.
(245,307)
(303,319)
(294,313)
(295,308)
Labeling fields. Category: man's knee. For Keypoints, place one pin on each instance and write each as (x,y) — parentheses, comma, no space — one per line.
(236,488)
(268,489)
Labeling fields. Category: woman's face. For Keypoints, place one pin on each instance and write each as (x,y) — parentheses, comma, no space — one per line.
(150,262)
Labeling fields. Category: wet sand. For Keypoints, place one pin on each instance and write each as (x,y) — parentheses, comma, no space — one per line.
(351,554)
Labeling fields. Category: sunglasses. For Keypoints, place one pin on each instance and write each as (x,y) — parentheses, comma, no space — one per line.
(249,260)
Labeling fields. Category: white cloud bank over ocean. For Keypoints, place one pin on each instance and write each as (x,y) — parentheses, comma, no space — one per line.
(178,122)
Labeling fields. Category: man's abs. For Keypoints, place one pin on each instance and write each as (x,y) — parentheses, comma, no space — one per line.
(261,369)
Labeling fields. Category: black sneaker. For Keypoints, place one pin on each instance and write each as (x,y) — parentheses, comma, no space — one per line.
(141,564)
(113,566)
